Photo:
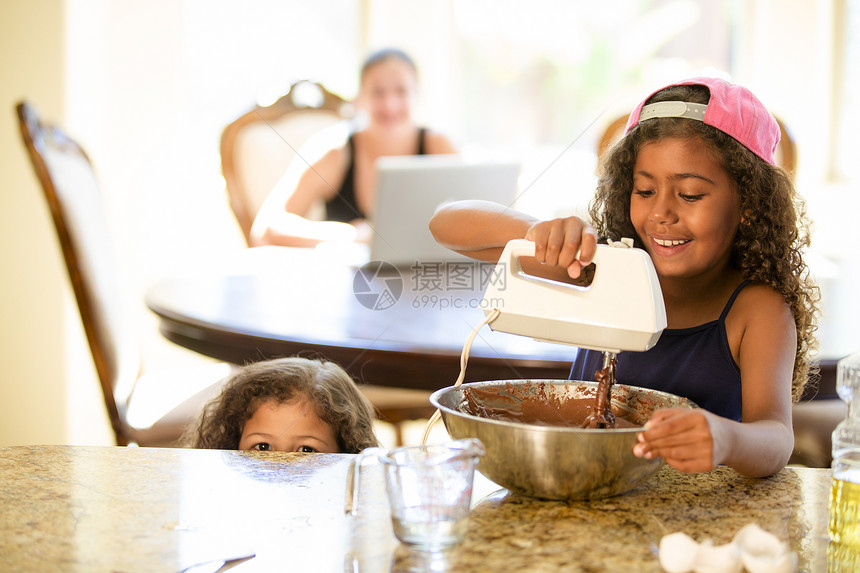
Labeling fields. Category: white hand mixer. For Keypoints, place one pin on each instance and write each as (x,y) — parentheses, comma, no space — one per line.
(621,309)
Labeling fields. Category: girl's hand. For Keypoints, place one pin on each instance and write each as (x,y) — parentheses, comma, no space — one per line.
(681,436)
(569,242)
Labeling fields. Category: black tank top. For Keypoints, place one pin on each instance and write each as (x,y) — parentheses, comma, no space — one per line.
(694,362)
(343,207)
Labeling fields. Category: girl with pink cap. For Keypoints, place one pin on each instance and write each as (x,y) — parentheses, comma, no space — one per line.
(694,183)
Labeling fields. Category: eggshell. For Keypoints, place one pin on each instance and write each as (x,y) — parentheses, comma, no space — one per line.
(677,552)
(785,563)
(752,548)
(754,539)
(763,552)
(717,559)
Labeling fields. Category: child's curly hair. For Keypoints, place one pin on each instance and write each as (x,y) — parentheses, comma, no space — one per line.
(774,230)
(336,398)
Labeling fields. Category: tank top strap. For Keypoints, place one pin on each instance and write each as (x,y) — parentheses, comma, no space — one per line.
(732,298)
(422,150)
(350,146)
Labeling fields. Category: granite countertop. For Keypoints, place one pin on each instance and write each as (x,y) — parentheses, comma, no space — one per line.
(66,508)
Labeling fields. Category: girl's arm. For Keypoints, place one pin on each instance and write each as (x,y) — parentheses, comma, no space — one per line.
(481,229)
(761,327)
(282,219)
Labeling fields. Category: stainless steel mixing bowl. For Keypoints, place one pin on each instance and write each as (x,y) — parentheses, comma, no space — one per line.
(554,462)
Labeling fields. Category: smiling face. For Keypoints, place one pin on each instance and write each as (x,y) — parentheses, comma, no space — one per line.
(388,90)
(287,427)
(685,207)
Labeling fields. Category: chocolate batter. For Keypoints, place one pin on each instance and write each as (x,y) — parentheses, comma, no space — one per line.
(532,404)
(602,417)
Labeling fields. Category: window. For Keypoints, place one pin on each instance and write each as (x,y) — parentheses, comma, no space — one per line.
(846,120)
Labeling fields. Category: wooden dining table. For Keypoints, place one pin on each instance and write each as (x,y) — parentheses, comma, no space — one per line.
(81,509)
(402,327)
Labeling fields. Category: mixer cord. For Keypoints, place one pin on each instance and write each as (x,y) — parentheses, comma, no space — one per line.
(464,357)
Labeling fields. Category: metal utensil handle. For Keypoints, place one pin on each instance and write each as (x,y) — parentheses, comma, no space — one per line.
(353,477)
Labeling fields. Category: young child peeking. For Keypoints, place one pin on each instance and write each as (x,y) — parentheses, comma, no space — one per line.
(287,405)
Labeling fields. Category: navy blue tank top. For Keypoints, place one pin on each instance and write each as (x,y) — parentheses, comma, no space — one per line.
(694,362)
(343,207)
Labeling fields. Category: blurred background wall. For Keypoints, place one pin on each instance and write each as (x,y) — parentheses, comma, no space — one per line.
(38,334)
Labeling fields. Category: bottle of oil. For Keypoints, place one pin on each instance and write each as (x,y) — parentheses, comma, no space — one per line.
(845,493)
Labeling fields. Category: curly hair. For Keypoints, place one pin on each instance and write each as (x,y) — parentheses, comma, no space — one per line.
(774,230)
(336,398)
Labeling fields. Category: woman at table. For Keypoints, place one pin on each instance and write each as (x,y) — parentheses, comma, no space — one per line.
(344,178)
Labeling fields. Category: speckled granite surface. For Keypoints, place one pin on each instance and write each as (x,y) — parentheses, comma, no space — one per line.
(68,508)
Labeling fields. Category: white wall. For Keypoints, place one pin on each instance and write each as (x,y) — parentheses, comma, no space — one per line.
(40,339)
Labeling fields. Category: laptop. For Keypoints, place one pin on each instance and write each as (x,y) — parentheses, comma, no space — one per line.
(409,190)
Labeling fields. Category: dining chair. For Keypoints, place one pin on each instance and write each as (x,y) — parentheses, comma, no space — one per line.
(257,147)
(147,409)
(786,151)
(814,421)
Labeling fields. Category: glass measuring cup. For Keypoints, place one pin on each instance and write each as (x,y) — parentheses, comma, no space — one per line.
(429,489)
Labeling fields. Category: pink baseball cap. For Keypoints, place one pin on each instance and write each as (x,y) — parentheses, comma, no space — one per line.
(732,109)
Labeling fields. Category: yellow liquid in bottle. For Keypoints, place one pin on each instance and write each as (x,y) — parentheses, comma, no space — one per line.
(845,512)
(843,552)
(842,559)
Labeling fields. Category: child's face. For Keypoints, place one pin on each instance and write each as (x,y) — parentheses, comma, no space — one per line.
(289,427)
(685,207)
